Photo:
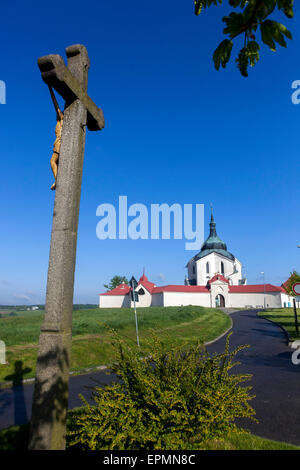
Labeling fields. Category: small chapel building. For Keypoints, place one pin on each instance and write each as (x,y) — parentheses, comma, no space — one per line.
(214,279)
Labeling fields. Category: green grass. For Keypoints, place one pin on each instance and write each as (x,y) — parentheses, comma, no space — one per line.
(91,342)
(16,438)
(247,441)
(285,318)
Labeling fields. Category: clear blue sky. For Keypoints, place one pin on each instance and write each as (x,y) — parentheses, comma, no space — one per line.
(176,131)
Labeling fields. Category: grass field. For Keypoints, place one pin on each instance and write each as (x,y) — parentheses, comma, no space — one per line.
(91,342)
(285,318)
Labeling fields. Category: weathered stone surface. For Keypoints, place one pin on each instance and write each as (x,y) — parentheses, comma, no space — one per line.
(57,75)
(48,425)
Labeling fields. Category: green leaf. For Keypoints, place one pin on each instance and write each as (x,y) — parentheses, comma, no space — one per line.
(222,53)
(235,24)
(287,6)
(252,52)
(198,7)
(272,31)
(200,4)
(242,62)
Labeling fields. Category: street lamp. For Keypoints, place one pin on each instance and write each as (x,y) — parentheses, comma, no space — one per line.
(264,289)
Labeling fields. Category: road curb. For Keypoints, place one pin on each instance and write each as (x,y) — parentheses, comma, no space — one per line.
(221,336)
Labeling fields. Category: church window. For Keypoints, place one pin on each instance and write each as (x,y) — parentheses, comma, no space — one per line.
(207,267)
(222,267)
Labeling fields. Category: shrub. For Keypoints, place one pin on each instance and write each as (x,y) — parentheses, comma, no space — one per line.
(171,399)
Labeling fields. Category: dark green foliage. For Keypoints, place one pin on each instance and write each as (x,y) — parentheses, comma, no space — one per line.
(84,306)
(222,53)
(188,398)
(115,282)
(15,438)
(252,14)
(293,279)
(249,55)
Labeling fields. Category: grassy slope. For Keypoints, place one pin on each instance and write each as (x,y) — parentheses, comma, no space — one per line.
(284,317)
(91,342)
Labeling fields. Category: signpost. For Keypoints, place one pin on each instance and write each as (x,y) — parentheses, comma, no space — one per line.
(296,289)
(135,297)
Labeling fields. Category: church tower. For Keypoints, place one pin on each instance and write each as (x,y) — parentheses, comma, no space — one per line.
(213,259)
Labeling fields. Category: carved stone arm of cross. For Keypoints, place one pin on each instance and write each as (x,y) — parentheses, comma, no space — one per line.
(57,75)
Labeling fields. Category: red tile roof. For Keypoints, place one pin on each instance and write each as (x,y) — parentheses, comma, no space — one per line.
(218,277)
(122,289)
(173,288)
(147,284)
(255,288)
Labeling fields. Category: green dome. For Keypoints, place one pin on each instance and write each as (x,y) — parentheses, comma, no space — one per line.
(214,244)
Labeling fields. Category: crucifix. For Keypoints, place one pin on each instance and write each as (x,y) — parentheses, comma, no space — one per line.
(50,400)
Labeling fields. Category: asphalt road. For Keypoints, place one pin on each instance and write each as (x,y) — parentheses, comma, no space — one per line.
(275,382)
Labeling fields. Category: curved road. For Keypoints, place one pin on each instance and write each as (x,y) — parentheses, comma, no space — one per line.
(275,382)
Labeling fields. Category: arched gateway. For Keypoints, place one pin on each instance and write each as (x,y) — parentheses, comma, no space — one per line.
(220,301)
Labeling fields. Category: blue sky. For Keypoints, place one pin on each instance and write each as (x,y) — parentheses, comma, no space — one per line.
(177,131)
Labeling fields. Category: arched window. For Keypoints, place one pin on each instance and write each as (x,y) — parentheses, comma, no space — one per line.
(194,269)
(207,267)
(222,268)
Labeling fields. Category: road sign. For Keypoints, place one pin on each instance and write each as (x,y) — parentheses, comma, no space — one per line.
(296,288)
(133,283)
(134,296)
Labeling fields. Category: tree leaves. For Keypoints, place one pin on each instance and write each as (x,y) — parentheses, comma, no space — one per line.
(249,55)
(235,24)
(222,53)
(252,15)
(272,32)
(199,4)
(115,282)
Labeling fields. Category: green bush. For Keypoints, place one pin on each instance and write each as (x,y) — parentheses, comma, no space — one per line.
(171,399)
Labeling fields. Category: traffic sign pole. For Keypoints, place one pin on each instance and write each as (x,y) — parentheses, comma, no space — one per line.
(296,289)
(136,322)
(133,284)
(296,319)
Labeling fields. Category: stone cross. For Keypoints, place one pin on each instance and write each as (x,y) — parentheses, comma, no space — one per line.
(50,400)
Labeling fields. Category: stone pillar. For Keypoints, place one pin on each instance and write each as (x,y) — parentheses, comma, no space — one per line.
(50,402)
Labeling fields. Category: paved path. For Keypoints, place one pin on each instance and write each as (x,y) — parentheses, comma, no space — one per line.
(276,381)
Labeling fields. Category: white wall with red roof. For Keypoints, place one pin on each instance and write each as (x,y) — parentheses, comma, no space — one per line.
(239,296)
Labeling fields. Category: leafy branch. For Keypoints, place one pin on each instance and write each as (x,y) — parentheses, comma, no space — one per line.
(252,15)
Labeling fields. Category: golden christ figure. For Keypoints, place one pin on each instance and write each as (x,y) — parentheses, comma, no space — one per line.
(57,143)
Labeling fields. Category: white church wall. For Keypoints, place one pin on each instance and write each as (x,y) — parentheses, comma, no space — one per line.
(176,299)
(144,300)
(202,275)
(114,301)
(251,299)
(215,260)
(235,278)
